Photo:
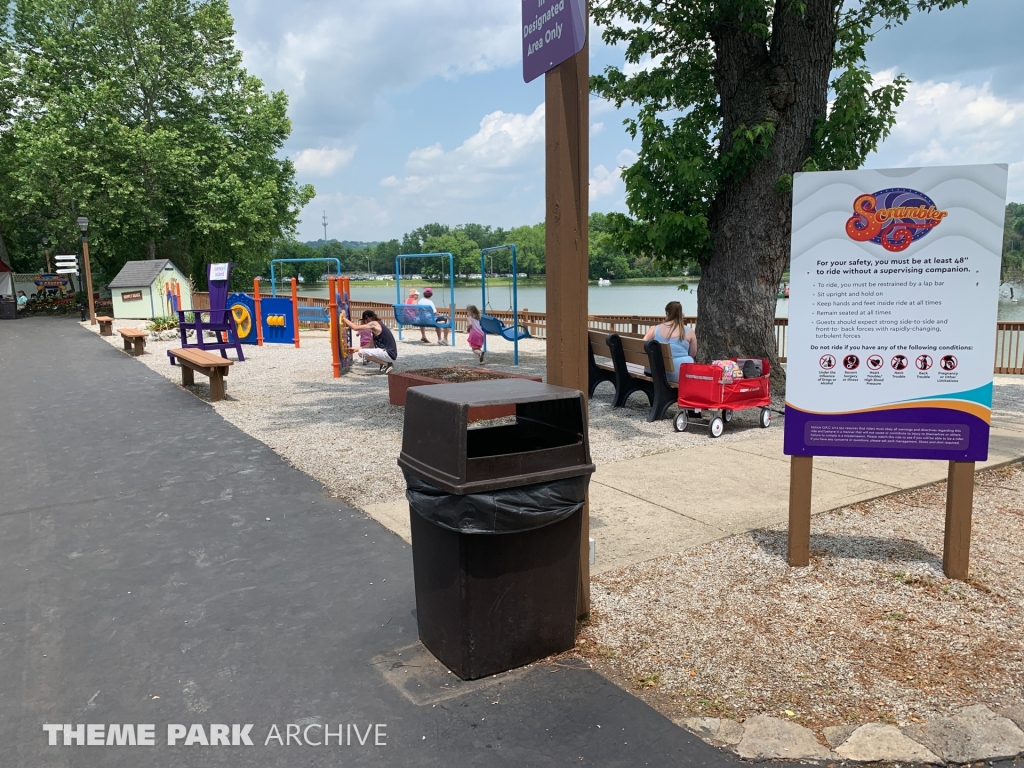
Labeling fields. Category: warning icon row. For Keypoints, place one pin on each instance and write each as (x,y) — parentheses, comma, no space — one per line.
(876,362)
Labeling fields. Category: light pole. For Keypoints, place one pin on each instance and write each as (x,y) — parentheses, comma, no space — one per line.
(325,228)
(46,249)
(83,224)
(367,266)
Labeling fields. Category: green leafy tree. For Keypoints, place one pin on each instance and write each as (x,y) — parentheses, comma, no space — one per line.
(465,252)
(1013,244)
(139,115)
(530,248)
(734,97)
(606,257)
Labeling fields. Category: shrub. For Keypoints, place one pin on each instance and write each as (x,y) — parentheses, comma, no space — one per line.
(163,324)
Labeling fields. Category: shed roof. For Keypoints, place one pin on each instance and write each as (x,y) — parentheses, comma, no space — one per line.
(137,274)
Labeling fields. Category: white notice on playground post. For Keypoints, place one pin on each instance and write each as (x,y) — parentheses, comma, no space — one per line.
(218,271)
(892,312)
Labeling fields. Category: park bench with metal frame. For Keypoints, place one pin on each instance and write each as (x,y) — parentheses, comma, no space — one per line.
(643,366)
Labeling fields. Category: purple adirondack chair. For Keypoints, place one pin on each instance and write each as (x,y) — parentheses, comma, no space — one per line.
(217,318)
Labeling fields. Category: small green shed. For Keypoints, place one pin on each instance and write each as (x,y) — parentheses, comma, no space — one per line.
(142,289)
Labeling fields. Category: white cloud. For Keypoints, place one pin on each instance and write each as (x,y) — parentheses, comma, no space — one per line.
(322,162)
(604,183)
(596,129)
(646,64)
(950,123)
(336,59)
(506,146)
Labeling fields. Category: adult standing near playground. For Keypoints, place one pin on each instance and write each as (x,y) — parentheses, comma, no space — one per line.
(384,350)
(427,301)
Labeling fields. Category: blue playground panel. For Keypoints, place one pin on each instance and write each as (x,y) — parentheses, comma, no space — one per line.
(243,309)
(278,321)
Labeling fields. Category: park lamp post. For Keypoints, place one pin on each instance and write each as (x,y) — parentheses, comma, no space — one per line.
(83,224)
(46,250)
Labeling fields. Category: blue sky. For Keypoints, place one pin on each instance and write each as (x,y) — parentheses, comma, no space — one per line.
(411,111)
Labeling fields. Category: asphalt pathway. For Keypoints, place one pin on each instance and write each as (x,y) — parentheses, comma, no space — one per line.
(161,567)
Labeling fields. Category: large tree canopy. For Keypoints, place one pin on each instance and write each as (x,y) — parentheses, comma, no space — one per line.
(733,97)
(139,115)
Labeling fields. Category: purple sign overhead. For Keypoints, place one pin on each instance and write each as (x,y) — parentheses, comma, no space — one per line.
(553,31)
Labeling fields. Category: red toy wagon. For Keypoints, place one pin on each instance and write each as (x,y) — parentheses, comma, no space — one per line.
(702,388)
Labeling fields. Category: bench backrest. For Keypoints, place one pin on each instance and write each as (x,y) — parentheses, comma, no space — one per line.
(414,314)
(634,352)
(599,343)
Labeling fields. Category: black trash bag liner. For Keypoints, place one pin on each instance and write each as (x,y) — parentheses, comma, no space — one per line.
(508,510)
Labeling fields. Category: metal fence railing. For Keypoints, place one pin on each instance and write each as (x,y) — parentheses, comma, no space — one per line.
(1009,335)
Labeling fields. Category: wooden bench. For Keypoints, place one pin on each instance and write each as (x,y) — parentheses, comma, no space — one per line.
(212,366)
(598,372)
(630,357)
(106,325)
(134,341)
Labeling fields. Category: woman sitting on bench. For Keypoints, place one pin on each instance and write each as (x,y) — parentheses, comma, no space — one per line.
(384,349)
(681,340)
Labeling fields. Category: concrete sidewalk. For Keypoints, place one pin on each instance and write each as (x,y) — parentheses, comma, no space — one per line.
(160,566)
(669,502)
(647,507)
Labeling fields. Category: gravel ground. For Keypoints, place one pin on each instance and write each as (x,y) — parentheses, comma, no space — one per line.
(344,433)
(872,631)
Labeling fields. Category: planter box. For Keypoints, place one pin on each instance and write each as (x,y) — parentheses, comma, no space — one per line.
(399,383)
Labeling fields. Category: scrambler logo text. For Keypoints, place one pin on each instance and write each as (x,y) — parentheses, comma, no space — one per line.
(893,218)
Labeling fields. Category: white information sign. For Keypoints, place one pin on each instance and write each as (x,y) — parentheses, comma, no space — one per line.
(218,272)
(892,312)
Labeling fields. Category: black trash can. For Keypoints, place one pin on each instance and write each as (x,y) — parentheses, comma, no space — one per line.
(8,308)
(496,513)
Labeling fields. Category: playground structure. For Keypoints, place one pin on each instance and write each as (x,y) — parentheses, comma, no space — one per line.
(420,315)
(220,319)
(277,319)
(492,326)
(172,294)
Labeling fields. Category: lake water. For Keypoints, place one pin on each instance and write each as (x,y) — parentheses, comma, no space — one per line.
(624,299)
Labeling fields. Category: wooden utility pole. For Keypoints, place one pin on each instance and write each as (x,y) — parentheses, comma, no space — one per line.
(88,279)
(567,173)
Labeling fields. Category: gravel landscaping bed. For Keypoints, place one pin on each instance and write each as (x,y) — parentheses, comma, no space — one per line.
(344,432)
(872,631)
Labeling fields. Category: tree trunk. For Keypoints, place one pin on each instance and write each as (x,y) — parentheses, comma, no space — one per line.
(783,82)
(151,249)
(4,256)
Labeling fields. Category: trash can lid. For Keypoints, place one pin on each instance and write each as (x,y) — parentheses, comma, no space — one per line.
(548,440)
(496,392)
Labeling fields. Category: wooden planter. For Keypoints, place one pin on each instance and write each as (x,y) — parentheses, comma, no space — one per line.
(399,382)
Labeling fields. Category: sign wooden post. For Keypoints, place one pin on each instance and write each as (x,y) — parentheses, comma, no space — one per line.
(956,548)
(562,27)
(801,469)
(894,289)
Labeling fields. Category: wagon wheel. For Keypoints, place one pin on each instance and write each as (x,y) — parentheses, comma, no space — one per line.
(717,426)
(766,418)
(681,421)
(243,320)
(727,415)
